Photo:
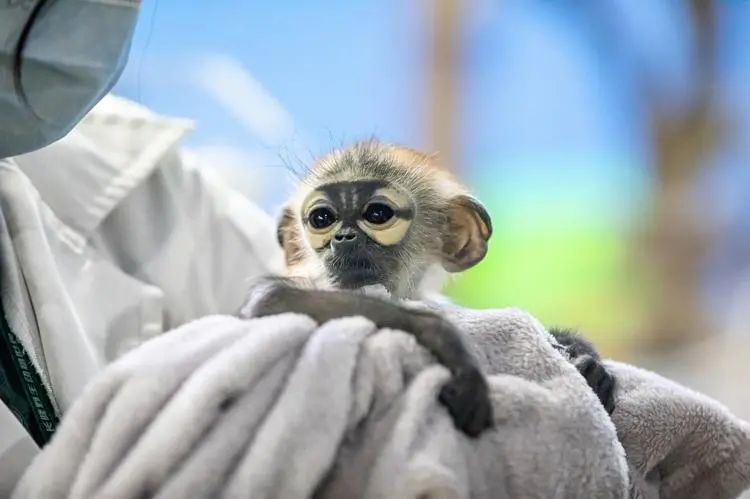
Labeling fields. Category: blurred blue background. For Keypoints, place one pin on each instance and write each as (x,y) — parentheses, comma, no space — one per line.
(608,138)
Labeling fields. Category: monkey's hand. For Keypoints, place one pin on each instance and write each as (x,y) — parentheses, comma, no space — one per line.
(599,379)
(586,359)
(465,395)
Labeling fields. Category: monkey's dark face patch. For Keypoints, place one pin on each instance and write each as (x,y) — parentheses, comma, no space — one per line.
(357,229)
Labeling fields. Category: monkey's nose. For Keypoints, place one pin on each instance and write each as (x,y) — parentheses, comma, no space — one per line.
(344,236)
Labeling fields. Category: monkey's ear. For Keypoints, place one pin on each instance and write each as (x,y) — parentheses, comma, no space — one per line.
(287,236)
(468,231)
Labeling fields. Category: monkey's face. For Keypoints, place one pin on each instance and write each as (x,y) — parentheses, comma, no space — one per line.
(380,214)
(358,230)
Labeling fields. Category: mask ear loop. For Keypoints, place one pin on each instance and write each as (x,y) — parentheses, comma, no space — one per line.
(17,55)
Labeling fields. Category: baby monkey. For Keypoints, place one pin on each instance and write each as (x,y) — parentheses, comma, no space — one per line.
(380,215)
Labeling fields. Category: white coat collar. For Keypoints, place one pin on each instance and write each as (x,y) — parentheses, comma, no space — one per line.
(122,141)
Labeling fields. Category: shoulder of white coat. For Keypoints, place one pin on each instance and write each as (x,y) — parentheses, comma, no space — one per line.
(113,150)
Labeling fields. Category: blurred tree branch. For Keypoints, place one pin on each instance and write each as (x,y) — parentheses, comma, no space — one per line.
(444,28)
(680,232)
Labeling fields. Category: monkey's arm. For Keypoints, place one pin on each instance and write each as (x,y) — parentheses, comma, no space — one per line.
(465,395)
(588,362)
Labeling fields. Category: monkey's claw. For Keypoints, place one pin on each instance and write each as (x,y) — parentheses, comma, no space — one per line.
(599,379)
(466,396)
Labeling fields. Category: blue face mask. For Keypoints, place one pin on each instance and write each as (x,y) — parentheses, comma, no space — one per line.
(74,52)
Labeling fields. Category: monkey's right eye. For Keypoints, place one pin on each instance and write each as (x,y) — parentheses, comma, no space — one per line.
(320,218)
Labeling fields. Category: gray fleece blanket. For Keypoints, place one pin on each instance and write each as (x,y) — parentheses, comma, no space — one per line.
(281,407)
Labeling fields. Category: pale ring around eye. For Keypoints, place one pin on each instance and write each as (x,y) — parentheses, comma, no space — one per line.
(389,234)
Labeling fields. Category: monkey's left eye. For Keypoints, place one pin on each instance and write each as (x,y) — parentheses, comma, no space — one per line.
(320,218)
(378,213)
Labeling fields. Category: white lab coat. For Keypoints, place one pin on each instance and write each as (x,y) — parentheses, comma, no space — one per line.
(116,240)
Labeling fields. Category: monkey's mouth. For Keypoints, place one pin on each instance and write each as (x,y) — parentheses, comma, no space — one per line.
(349,273)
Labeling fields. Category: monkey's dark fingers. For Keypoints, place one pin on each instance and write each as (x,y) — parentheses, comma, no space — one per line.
(609,398)
(599,379)
(466,397)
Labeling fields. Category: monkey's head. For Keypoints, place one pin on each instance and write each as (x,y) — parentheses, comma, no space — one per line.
(381,214)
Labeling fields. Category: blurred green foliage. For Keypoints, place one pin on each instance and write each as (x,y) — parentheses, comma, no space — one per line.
(561,251)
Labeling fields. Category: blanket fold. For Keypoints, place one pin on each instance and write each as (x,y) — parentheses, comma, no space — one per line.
(281,407)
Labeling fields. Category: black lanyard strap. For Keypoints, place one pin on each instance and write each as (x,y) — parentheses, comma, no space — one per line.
(21,388)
